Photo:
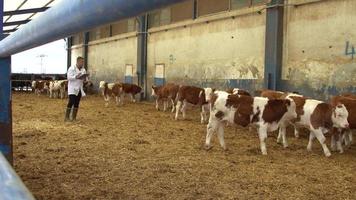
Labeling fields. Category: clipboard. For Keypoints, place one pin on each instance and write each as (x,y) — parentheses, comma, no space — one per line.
(83,76)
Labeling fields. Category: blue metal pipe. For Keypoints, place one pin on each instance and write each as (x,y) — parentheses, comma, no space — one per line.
(11,186)
(72,16)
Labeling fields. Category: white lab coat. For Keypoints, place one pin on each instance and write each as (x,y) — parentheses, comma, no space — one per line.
(75,85)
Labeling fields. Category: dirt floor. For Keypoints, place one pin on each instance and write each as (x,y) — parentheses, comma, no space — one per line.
(136,152)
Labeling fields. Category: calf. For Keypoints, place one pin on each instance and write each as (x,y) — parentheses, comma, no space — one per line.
(40,85)
(166,93)
(109,90)
(319,118)
(194,96)
(58,88)
(340,134)
(88,87)
(129,89)
(244,110)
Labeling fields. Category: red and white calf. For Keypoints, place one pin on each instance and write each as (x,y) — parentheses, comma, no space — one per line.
(319,118)
(58,89)
(191,95)
(40,86)
(344,134)
(118,90)
(109,90)
(129,89)
(244,110)
(166,93)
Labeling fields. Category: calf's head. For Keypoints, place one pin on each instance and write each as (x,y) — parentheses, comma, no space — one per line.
(339,116)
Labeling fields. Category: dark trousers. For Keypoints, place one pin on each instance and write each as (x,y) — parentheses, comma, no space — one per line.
(74,100)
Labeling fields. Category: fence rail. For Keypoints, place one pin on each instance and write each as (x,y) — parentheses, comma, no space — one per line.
(11,186)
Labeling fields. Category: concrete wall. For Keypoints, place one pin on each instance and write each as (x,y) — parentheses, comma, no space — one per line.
(316,35)
(227,50)
(107,58)
(223,53)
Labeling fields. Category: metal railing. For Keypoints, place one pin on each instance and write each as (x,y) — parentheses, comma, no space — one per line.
(11,186)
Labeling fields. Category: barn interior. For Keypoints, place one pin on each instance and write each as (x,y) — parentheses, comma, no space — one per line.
(136,152)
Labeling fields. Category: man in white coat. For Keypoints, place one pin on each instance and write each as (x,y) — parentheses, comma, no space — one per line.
(76,75)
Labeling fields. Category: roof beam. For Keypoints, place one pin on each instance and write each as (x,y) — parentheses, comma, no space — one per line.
(65,19)
(25,11)
(16,22)
(10,30)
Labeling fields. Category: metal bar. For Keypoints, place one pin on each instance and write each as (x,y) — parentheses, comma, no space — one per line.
(5,108)
(11,186)
(142,54)
(10,30)
(75,16)
(18,7)
(195,9)
(69,51)
(25,11)
(274,45)
(5,100)
(17,22)
(85,49)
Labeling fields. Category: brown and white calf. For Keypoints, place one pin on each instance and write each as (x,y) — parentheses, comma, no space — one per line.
(58,89)
(344,134)
(109,90)
(191,95)
(129,89)
(245,110)
(319,117)
(166,93)
(118,90)
(40,86)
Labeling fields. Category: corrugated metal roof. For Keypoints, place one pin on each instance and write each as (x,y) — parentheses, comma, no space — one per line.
(13,5)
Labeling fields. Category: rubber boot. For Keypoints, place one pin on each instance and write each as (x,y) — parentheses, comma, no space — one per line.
(66,118)
(74,114)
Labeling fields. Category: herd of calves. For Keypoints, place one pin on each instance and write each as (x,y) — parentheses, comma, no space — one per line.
(268,111)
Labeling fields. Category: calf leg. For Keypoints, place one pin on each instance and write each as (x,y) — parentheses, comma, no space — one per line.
(296,132)
(262,133)
(157,105)
(310,143)
(221,136)
(339,143)
(184,109)
(333,142)
(165,105)
(282,135)
(202,115)
(178,107)
(117,100)
(320,136)
(173,107)
(212,126)
(133,98)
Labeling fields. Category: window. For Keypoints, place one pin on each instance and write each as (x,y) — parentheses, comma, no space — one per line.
(159,17)
(99,33)
(119,27)
(182,11)
(159,74)
(159,71)
(78,39)
(206,7)
(237,4)
(128,73)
